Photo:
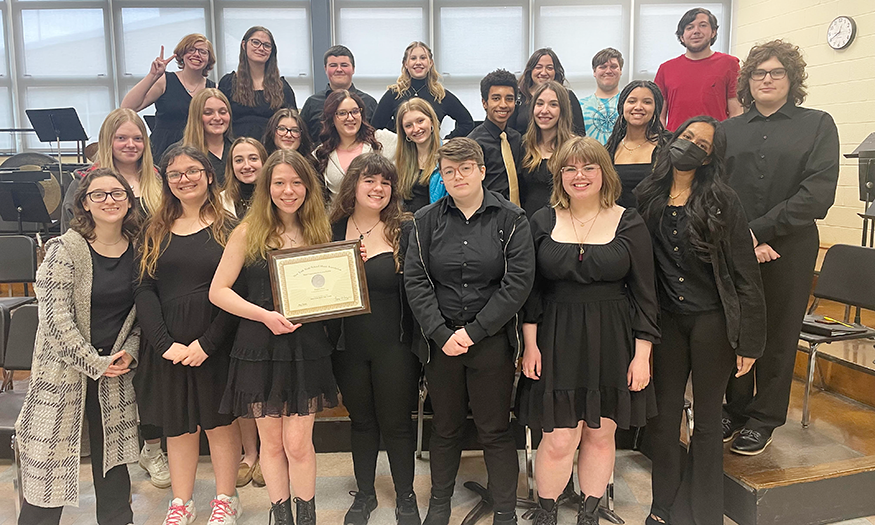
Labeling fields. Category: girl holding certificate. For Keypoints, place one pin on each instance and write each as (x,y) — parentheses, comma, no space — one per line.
(280,372)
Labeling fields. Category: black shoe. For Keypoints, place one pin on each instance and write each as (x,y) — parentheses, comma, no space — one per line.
(653,519)
(360,510)
(281,513)
(306,511)
(751,442)
(545,513)
(439,510)
(406,511)
(504,517)
(730,428)
(588,510)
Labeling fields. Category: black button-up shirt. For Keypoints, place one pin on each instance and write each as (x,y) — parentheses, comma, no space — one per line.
(686,282)
(478,269)
(784,167)
(488,136)
(312,111)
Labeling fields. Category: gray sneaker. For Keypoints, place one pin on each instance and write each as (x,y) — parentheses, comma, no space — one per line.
(156,466)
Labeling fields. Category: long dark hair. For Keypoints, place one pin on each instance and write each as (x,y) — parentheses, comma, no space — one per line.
(655,130)
(305,147)
(241,84)
(707,226)
(329,136)
(526,82)
(392,215)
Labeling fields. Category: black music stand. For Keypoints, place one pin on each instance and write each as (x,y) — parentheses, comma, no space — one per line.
(23,201)
(56,125)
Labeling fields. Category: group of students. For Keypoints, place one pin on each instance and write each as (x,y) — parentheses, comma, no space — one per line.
(586,261)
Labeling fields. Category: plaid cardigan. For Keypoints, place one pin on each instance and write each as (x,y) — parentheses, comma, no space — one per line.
(49,428)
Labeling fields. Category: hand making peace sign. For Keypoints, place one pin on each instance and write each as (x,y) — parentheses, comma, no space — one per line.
(160,64)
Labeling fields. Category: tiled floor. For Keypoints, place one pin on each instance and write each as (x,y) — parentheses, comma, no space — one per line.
(632,489)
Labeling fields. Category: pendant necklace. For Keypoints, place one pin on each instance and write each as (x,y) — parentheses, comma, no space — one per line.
(416,91)
(365,234)
(573,227)
(632,149)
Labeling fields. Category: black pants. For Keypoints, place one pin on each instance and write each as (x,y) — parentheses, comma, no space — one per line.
(688,488)
(482,377)
(787,285)
(379,388)
(112,491)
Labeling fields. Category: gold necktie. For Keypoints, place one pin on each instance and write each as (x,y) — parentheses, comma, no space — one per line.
(507,156)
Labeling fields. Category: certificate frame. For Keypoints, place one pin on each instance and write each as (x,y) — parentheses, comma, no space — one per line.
(316,283)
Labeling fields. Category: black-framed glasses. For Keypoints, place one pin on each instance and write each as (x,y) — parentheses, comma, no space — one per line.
(256,43)
(205,53)
(100,196)
(343,113)
(464,170)
(777,74)
(282,131)
(192,174)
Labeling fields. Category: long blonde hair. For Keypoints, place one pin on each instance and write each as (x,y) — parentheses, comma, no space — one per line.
(150,187)
(406,154)
(264,226)
(532,138)
(157,230)
(194,127)
(434,79)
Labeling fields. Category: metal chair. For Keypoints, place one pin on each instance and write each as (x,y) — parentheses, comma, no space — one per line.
(19,356)
(846,276)
(17,265)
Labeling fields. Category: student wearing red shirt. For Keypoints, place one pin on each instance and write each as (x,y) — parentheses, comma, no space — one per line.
(701,81)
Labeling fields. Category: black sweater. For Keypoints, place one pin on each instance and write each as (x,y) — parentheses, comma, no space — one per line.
(384,117)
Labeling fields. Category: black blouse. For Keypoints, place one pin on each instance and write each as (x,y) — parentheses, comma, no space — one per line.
(686,282)
(384,117)
(250,121)
(112,297)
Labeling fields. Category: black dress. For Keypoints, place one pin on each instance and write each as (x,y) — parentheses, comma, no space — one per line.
(589,313)
(175,307)
(250,121)
(535,188)
(171,114)
(631,176)
(277,375)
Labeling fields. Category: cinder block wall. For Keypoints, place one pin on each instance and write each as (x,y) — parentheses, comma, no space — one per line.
(839,82)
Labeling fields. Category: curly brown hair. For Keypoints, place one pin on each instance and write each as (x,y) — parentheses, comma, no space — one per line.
(790,57)
(82,220)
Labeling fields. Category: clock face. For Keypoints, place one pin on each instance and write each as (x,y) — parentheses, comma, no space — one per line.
(841,32)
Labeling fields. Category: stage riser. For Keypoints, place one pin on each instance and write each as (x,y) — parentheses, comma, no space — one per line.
(815,502)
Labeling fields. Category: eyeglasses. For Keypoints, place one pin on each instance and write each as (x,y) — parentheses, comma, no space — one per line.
(192,174)
(100,196)
(777,74)
(282,130)
(464,170)
(343,113)
(195,51)
(587,170)
(256,43)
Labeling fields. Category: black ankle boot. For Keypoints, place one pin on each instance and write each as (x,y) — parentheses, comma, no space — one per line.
(504,517)
(360,511)
(406,510)
(588,511)
(306,511)
(281,512)
(439,510)
(547,511)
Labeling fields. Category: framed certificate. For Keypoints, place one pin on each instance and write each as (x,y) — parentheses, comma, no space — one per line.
(319,282)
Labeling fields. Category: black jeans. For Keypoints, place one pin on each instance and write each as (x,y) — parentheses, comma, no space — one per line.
(379,388)
(112,491)
(787,285)
(482,377)
(688,488)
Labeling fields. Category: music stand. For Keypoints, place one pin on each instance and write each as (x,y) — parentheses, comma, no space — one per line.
(56,125)
(22,201)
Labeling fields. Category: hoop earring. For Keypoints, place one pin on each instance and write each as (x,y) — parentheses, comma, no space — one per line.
(407,138)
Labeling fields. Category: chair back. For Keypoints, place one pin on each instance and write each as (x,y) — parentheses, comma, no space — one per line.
(22,337)
(848,276)
(17,259)
(5,319)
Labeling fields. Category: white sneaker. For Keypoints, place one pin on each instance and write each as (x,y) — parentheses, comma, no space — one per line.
(179,513)
(156,466)
(226,510)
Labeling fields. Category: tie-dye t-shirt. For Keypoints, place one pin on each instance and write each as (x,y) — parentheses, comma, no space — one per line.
(599,116)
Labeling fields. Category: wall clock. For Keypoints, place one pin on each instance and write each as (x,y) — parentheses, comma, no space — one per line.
(841,32)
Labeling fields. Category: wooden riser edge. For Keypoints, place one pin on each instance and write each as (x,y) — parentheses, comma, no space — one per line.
(838,376)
